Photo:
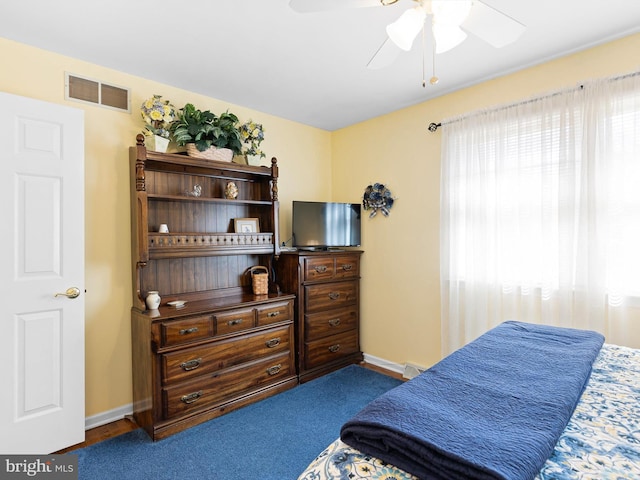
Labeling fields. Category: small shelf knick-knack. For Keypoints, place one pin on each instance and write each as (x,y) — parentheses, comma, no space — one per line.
(231,191)
(196,192)
(153,300)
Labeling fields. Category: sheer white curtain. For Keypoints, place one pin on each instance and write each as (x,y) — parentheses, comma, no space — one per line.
(540,214)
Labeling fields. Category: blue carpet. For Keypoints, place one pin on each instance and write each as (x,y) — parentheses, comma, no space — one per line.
(274,439)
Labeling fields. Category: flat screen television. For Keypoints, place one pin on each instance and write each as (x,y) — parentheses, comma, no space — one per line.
(325,225)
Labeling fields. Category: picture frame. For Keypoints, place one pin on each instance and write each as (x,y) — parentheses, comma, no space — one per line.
(246,225)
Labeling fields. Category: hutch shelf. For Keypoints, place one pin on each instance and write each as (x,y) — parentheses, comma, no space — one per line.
(226,347)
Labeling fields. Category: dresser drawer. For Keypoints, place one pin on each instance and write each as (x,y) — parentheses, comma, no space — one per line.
(218,355)
(347,267)
(176,332)
(318,325)
(331,348)
(225,385)
(234,321)
(275,312)
(330,295)
(320,268)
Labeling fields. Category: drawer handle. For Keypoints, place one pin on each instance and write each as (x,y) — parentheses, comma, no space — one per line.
(274,370)
(334,348)
(274,342)
(334,295)
(187,331)
(192,397)
(273,314)
(334,322)
(191,364)
(321,268)
(347,266)
(237,321)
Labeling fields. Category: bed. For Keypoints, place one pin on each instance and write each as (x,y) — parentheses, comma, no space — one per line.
(599,439)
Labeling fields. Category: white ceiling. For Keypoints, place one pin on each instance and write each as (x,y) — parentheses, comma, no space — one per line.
(309,68)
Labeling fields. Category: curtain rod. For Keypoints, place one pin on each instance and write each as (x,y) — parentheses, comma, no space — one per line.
(433,127)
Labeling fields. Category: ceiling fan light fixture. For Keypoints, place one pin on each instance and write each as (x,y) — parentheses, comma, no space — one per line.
(403,31)
(447,37)
(451,12)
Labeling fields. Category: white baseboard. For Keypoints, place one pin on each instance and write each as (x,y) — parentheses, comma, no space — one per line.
(108,416)
(382,363)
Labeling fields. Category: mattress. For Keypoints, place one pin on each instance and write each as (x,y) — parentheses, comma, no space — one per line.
(601,440)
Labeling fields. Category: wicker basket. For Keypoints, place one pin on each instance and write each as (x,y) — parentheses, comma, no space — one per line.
(259,280)
(212,153)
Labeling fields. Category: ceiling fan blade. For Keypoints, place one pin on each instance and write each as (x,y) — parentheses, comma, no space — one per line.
(384,56)
(308,6)
(492,26)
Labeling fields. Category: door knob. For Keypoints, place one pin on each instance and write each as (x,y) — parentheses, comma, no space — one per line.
(72,292)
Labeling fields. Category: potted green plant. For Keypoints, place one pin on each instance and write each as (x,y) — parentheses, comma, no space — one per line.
(226,132)
(207,135)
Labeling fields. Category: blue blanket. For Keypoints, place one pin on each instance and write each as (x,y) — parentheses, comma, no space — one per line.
(492,410)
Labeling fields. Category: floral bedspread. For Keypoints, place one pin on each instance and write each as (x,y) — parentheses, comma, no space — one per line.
(602,439)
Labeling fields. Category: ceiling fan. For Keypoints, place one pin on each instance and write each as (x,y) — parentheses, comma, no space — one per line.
(450,22)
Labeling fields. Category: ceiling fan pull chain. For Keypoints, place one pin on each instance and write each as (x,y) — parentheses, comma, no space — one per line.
(433,80)
(424,55)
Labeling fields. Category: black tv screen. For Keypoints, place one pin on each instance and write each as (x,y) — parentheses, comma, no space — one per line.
(322,225)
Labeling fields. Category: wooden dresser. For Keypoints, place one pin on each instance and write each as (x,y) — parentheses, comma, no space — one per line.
(226,347)
(327,289)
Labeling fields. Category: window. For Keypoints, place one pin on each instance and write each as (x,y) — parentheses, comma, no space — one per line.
(540,210)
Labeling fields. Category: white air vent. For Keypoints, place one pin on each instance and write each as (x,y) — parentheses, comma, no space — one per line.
(87,90)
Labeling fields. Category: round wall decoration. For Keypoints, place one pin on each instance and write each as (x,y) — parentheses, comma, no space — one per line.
(377,197)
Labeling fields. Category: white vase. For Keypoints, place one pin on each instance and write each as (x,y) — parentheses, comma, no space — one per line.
(157,143)
(255,160)
(153,300)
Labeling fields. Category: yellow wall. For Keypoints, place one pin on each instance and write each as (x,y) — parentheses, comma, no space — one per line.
(400,273)
(400,286)
(302,152)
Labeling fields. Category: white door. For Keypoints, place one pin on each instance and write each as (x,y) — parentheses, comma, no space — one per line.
(41,254)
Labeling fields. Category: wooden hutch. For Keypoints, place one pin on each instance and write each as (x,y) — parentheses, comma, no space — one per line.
(226,347)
